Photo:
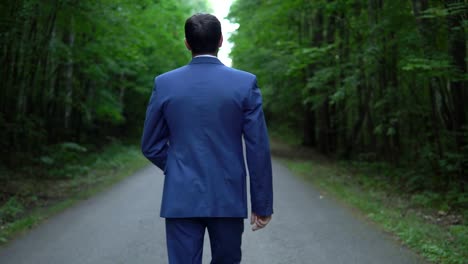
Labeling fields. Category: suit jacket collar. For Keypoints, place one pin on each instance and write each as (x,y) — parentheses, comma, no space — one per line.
(204,60)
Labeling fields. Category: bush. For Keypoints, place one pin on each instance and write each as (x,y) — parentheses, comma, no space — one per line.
(10,210)
(60,160)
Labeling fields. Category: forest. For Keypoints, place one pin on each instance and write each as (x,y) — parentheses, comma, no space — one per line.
(375,81)
(362,80)
(76,74)
(371,83)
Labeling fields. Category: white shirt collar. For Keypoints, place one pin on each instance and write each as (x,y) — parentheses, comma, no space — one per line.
(205,55)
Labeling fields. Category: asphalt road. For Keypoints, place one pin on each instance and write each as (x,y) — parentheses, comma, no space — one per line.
(122,225)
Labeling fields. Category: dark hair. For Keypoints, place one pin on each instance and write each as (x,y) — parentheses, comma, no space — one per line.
(203,32)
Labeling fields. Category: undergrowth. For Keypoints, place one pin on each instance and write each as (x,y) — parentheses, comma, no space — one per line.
(68,174)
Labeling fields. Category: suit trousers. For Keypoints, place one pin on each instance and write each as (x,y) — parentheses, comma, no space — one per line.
(184,237)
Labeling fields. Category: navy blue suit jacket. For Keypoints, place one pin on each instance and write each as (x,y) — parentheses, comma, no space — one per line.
(193,131)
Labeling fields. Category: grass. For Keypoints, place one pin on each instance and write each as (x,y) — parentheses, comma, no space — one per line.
(42,198)
(387,206)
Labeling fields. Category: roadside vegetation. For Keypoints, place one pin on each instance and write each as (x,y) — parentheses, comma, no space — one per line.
(433,224)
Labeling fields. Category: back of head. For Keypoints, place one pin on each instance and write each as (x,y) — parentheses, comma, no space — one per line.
(203,33)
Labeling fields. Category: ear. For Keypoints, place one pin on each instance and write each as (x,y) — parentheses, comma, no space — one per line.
(220,44)
(187,45)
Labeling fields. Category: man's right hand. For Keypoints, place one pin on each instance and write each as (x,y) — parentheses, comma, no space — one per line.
(259,222)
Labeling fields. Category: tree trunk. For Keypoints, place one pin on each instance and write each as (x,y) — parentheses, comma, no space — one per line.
(419,6)
(457,42)
(70,39)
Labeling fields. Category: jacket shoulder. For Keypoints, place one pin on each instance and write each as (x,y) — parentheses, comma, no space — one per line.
(241,73)
(170,74)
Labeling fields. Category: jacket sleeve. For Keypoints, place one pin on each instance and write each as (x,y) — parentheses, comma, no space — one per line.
(258,153)
(154,143)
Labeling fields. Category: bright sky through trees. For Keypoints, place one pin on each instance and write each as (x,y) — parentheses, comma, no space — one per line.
(221,10)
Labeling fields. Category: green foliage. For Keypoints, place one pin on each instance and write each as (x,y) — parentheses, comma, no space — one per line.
(63,153)
(428,67)
(10,210)
(427,199)
(62,160)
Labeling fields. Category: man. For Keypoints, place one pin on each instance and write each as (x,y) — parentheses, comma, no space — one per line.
(195,121)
